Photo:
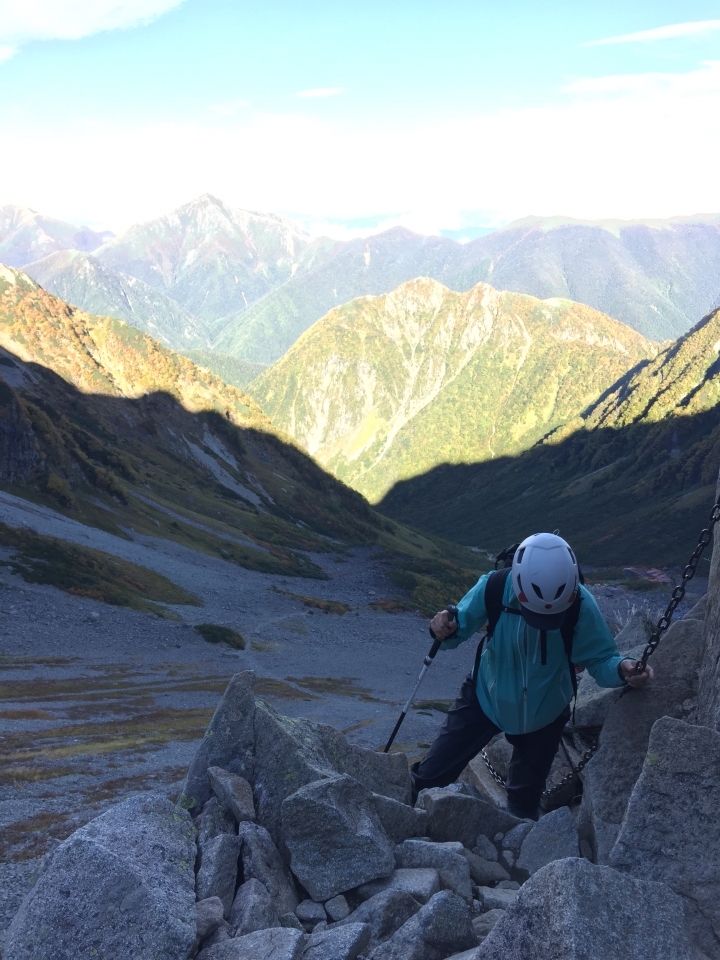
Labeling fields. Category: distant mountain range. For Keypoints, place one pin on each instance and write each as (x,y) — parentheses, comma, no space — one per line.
(26,235)
(633,477)
(253,283)
(386,388)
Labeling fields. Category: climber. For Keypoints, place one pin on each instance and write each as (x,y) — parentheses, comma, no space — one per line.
(541,622)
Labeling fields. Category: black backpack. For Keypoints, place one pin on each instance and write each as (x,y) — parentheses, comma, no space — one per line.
(494,589)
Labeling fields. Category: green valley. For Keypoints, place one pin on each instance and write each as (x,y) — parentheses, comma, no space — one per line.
(632,478)
(386,388)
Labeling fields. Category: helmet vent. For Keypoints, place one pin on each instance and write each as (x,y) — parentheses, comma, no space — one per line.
(559,591)
(572,555)
(519,556)
(537,590)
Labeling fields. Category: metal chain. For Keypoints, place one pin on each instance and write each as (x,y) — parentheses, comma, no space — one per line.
(679,591)
(588,755)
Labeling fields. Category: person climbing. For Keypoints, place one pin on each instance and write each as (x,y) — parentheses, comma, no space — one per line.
(541,622)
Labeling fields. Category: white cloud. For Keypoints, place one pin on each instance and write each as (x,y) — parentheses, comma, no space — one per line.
(613,147)
(228,109)
(320,92)
(692,28)
(6,52)
(21,22)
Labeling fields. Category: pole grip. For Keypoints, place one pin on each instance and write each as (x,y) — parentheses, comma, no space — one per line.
(452,610)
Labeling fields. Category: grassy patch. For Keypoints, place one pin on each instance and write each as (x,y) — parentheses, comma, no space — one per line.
(441,705)
(215,633)
(431,582)
(326,606)
(269,687)
(86,572)
(25,715)
(344,686)
(391,606)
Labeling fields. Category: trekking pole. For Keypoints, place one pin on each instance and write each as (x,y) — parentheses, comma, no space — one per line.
(452,610)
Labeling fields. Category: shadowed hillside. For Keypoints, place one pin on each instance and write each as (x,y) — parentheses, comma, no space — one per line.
(631,479)
(104,424)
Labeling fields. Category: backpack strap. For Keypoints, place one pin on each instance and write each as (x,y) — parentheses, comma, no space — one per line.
(567,631)
(494,589)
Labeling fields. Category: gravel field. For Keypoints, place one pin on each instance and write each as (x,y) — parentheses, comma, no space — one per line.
(98,702)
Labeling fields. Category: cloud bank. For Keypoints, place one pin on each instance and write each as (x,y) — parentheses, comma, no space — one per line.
(689,29)
(22,21)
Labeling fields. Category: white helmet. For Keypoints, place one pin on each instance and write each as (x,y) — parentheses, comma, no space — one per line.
(545,579)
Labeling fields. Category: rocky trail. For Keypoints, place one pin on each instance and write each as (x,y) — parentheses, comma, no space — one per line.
(99,703)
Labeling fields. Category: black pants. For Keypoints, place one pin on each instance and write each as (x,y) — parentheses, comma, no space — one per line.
(467,730)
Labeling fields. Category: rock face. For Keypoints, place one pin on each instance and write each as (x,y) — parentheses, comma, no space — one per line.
(217,875)
(260,860)
(252,909)
(385,913)
(233,792)
(447,858)
(290,753)
(229,738)
(611,774)
(572,909)
(279,943)
(399,820)
(554,837)
(421,883)
(442,927)
(335,838)
(671,830)
(454,816)
(343,943)
(122,886)
(709,694)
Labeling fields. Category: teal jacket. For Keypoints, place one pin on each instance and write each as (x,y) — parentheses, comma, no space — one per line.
(515,690)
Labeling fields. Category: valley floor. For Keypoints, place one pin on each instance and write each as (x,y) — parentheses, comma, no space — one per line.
(98,702)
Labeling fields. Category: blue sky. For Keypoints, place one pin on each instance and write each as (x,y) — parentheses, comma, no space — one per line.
(446,116)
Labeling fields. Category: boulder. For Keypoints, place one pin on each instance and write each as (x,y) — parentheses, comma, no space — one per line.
(209,915)
(671,830)
(400,821)
(443,926)
(337,909)
(217,876)
(485,848)
(513,839)
(485,872)
(553,837)
(384,913)
(280,943)
(335,838)
(310,912)
(213,821)
(611,774)
(573,908)
(228,738)
(341,943)
(495,898)
(252,909)
(447,858)
(634,634)
(260,859)
(476,773)
(290,920)
(483,924)
(422,883)
(233,792)
(454,816)
(699,610)
(221,935)
(121,886)
(291,753)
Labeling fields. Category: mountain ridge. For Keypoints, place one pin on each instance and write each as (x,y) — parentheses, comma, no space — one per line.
(386,387)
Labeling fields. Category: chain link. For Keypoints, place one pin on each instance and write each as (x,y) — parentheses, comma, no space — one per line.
(679,592)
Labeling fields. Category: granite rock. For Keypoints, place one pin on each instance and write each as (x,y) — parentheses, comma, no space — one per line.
(454,816)
(233,792)
(553,837)
(671,830)
(280,943)
(341,943)
(422,883)
(384,913)
(335,838)
(573,908)
(447,858)
(122,886)
(252,909)
(443,926)
(260,859)
(217,876)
